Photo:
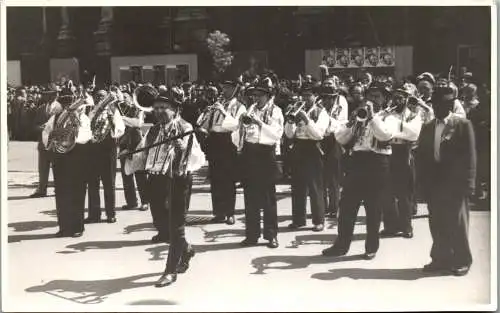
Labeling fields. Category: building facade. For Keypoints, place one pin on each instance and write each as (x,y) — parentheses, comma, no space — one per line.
(115,43)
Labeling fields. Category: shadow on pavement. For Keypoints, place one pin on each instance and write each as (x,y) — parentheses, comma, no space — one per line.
(92,291)
(32,225)
(19,238)
(103,245)
(153,302)
(49,212)
(158,252)
(374,273)
(139,227)
(293,262)
(212,236)
(14,198)
(319,239)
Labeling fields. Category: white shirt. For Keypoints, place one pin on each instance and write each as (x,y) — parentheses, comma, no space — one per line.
(84,132)
(336,124)
(310,131)
(408,130)
(378,129)
(269,133)
(227,121)
(458,109)
(438,133)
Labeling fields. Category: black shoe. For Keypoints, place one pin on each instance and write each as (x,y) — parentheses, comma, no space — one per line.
(460,270)
(60,234)
(92,220)
(273,243)
(388,234)
(295,226)
(144,207)
(76,235)
(159,238)
(435,267)
(248,242)
(334,251)
(369,256)
(185,259)
(331,214)
(165,280)
(111,220)
(318,227)
(38,194)
(407,234)
(230,220)
(218,219)
(127,207)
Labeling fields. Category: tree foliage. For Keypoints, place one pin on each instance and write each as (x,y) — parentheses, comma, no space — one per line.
(218,43)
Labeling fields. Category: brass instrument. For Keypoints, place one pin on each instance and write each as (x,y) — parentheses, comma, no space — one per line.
(144,97)
(361,114)
(62,139)
(247,119)
(212,109)
(101,122)
(291,114)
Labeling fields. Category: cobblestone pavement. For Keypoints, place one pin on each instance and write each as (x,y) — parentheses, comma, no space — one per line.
(114,266)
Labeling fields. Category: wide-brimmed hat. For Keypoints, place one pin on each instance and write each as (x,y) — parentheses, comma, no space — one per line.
(380,86)
(443,94)
(427,77)
(265,84)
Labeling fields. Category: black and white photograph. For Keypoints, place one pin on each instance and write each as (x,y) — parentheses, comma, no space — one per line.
(248,156)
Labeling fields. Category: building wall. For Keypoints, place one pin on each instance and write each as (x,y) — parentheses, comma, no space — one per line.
(14,73)
(152,60)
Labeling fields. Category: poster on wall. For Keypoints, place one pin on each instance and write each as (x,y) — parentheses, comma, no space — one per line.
(329,57)
(387,56)
(371,57)
(342,57)
(356,57)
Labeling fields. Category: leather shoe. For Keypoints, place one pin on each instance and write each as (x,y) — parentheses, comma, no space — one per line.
(185,259)
(295,226)
(111,220)
(273,243)
(248,242)
(144,207)
(434,267)
(38,194)
(166,279)
(159,238)
(92,220)
(218,219)
(60,234)
(127,207)
(369,256)
(318,227)
(76,235)
(334,251)
(388,234)
(460,270)
(230,220)
(407,234)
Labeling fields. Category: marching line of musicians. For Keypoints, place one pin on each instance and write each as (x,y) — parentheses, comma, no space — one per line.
(375,151)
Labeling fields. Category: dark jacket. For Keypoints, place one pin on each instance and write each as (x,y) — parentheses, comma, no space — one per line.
(43,114)
(455,174)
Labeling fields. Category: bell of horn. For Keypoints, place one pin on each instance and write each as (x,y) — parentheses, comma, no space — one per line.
(144,97)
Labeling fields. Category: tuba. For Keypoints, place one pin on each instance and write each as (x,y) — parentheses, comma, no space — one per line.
(63,137)
(101,122)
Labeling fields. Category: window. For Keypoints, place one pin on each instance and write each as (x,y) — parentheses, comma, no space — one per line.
(159,75)
(136,72)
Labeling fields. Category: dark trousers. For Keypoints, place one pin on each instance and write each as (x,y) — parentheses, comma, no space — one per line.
(129,186)
(259,164)
(45,160)
(222,168)
(398,212)
(367,180)
(70,190)
(332,173)
(307,176)
(449,225)
(102,167)
(168,207)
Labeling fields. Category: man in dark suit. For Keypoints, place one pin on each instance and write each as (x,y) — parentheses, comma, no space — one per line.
(446,170)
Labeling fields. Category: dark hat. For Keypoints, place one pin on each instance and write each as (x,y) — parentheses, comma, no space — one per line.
(407,89)
(381,86)
(328,91)
(264,84)
(308,87)
(166,97)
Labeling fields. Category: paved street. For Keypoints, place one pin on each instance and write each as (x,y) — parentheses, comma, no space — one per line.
(115,265)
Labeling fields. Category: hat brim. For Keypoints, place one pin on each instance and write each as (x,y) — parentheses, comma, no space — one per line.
(254,89)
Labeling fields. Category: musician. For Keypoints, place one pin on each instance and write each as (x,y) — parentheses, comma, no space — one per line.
(261,129)
(128,142)
(307,131)
(367,178)
(104,153)
(336,106)
(69,174)
(220,120)
(446,168)
(50,106)
(169,166)
(397,215)
(425,85)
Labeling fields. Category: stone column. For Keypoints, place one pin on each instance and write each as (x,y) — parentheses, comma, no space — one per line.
(103,35)
(166,31)
(65,39)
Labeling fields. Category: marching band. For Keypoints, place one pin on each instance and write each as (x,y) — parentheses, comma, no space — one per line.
(342,154)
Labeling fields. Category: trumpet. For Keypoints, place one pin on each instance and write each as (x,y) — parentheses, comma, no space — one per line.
(291,114)
(361,114)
